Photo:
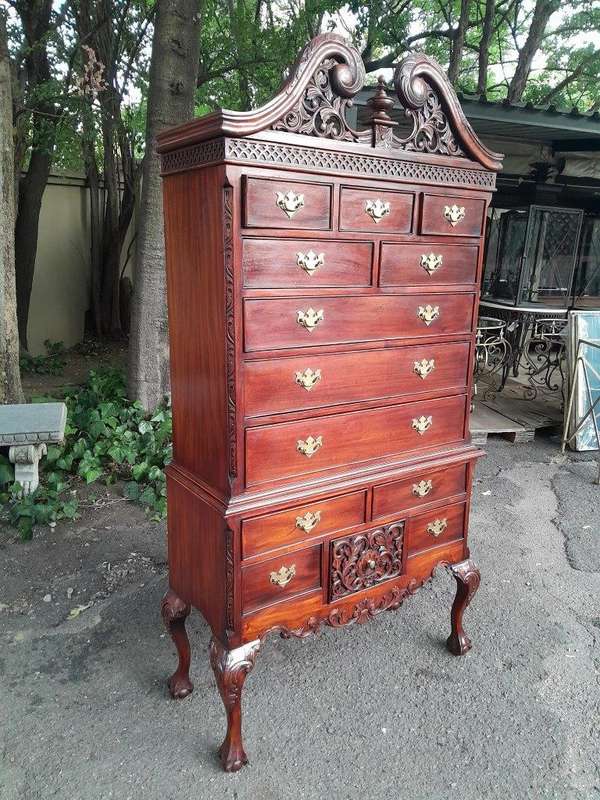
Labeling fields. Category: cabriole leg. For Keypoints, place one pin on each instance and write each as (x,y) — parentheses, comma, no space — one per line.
(467,582)
(231,668)
(174,613)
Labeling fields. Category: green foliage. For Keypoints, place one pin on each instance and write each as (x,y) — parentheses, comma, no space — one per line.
(107,438)
(53,363)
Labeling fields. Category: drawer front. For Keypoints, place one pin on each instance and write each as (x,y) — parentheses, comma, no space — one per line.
(308,321)
(281,578)
(427,263)
(296,524)
(426,487)
(452,216)
(290,449)
(365,559)
(444,525)
(294,384)
(274,263)
(286,204)
(375,211)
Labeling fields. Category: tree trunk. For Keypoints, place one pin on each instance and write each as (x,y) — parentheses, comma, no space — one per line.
(484,45)
(10,378)
(542,13)
(458,43)
(173,68)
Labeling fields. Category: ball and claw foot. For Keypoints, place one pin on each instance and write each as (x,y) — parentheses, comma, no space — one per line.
(174,613)
(467,582)
(231,667)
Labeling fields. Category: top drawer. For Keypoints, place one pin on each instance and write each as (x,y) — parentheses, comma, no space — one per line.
(450,215)
(286,204)
(375,211)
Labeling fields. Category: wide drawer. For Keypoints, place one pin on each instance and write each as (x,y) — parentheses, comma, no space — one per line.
(274,263)
(301,382)
(426,487)
(290,449)
(375,211)
(452,216)
(308,321)
(427,263)
(281,203)
(296,524)
(446,524)
(281,578)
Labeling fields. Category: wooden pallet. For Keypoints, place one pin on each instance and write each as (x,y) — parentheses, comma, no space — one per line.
(512,418)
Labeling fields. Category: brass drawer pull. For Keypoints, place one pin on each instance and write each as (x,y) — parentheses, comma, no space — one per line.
(431,262)
(309,521)
(422,424)
(289,202)
(377,209)
(424,367)
(422,488)
(310,261)
(428,314)
(454,214)
(308,379)
(437,527)
(283,575)
(310,318)
(309,447)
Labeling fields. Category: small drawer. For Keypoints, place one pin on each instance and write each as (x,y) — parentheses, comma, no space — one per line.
(281,578)
(426,487)
(316,380)
(291,449)
(274,324)
(275,263)
(427,264)
(452,216)
(286,204)
(375,211)
(444,525)
(296,524)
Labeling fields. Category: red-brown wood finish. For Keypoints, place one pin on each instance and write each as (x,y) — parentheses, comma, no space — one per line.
(281,385)
(274,325)
(305,263)
(296,524)
(375,211)
(322,290)
(427,264)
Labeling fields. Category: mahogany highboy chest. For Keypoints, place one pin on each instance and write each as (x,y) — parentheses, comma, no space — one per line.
(323,289)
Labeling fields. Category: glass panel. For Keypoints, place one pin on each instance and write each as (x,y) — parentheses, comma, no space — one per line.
(551,252)
(587,281)
(501,280)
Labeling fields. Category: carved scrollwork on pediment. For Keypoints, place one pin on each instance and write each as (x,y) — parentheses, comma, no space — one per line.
(331,72)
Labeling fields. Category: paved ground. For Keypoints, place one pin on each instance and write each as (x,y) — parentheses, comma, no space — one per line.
(371,712)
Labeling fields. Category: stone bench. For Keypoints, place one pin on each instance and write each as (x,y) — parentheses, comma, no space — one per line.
(27,429)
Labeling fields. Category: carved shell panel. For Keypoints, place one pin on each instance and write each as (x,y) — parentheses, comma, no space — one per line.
(365,559)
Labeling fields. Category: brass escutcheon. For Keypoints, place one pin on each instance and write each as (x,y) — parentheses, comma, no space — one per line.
(309,447)
(437,527)
(310,318)
(309,521)
(428,313)
(289,202)
(377,209)
(422,488)
(454,214)
(283,575)
(422,424)
(308,379)
(310,261)
(430,262)
(424,367)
